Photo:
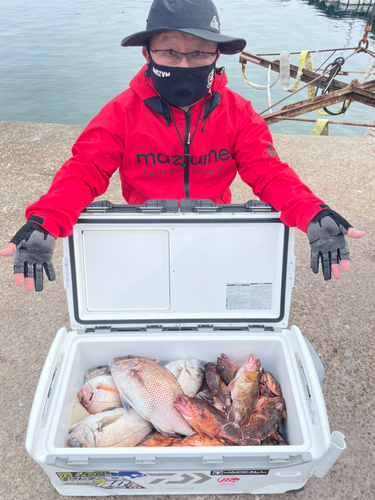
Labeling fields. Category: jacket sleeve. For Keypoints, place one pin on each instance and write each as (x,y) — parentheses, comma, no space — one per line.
(96,155)
(271,180)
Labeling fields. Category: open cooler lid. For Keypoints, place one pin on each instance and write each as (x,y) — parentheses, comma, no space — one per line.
(157,266)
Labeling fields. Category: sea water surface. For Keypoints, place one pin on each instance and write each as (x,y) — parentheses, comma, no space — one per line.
(62,61)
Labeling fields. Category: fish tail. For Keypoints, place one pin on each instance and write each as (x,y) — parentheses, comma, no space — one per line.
(232,431)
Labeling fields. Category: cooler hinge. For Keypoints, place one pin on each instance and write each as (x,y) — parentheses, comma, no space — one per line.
(260,327)
(205,328)
(110,329)
(154,328)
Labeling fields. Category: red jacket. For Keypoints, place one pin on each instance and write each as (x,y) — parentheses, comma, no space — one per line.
(149,142)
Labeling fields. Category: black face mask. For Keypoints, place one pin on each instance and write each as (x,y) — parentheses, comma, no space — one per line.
(181,86)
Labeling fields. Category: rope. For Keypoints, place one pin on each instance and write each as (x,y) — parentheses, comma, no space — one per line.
(269,88)
(255,85)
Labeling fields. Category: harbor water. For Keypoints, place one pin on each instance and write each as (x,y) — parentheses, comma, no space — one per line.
(62,61)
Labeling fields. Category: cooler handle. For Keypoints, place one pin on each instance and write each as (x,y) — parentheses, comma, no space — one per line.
(86,463)
(43,393)
(315,396)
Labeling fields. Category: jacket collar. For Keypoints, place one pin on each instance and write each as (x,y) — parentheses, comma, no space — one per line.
(142,85)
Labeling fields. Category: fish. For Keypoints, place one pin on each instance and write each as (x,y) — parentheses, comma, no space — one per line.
(244,390)
(268,385)
(151,390)
(226,368)
(217,386)
(213,400)
(158,439)
(198,440)
(99,393)
(274,439)
(189,374)
(203,417)
(100,370)
(109,428)
(96,372)
(264,421)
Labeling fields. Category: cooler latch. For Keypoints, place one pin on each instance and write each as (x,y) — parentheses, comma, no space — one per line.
(158,206)
(99,207)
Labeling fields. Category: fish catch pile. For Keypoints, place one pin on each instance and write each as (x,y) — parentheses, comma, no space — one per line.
(135,401)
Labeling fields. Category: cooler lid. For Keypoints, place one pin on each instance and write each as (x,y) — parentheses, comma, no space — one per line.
(158,266)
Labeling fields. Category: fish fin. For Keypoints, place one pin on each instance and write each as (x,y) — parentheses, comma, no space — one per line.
(109,408)
(232,431)
(124,402)
(230,386)
(106,387)
(250,442)
(107,420)
(162,362)
(168,434)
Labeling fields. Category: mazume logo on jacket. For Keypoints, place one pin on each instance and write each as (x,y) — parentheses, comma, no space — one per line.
(160,158)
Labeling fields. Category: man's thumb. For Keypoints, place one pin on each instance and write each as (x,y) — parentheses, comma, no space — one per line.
(8,250)
(355,233)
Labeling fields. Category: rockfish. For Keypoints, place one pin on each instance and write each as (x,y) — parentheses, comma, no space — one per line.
(158,439)
(268,385)
(264,421)
(197,440)
(151,390)
(99,393)
(118,427)
(244,390)
(203,417)
(226,368)
(217,386)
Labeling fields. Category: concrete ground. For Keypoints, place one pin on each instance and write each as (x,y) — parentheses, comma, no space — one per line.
(336,316)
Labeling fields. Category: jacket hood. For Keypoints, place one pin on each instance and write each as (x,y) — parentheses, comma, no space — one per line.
(142,85)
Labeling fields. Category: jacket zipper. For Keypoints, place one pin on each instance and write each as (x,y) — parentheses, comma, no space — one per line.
(186,154)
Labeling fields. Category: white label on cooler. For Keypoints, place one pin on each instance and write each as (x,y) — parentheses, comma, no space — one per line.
(249,296)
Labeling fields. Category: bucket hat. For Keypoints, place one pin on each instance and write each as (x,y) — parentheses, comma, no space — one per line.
(194,17)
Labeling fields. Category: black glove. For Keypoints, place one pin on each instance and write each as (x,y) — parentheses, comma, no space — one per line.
(326,234)
(35,248)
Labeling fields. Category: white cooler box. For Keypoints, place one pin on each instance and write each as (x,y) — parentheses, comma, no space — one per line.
(162,282)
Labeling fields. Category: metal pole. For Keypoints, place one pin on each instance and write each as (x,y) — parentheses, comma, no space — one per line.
(333,122)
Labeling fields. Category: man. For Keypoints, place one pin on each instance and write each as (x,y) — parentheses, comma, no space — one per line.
(178,132)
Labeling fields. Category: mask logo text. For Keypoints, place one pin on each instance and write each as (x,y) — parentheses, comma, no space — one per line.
(161,74)
(210,79)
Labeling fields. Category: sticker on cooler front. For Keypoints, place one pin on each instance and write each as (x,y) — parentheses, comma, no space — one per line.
(241,472)
(249,296)
(103,479)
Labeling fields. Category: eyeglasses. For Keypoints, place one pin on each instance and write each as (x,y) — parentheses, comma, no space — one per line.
(172,58)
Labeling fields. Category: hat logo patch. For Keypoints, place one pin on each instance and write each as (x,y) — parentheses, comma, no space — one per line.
(160,74)
(210,78)
(214,23)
